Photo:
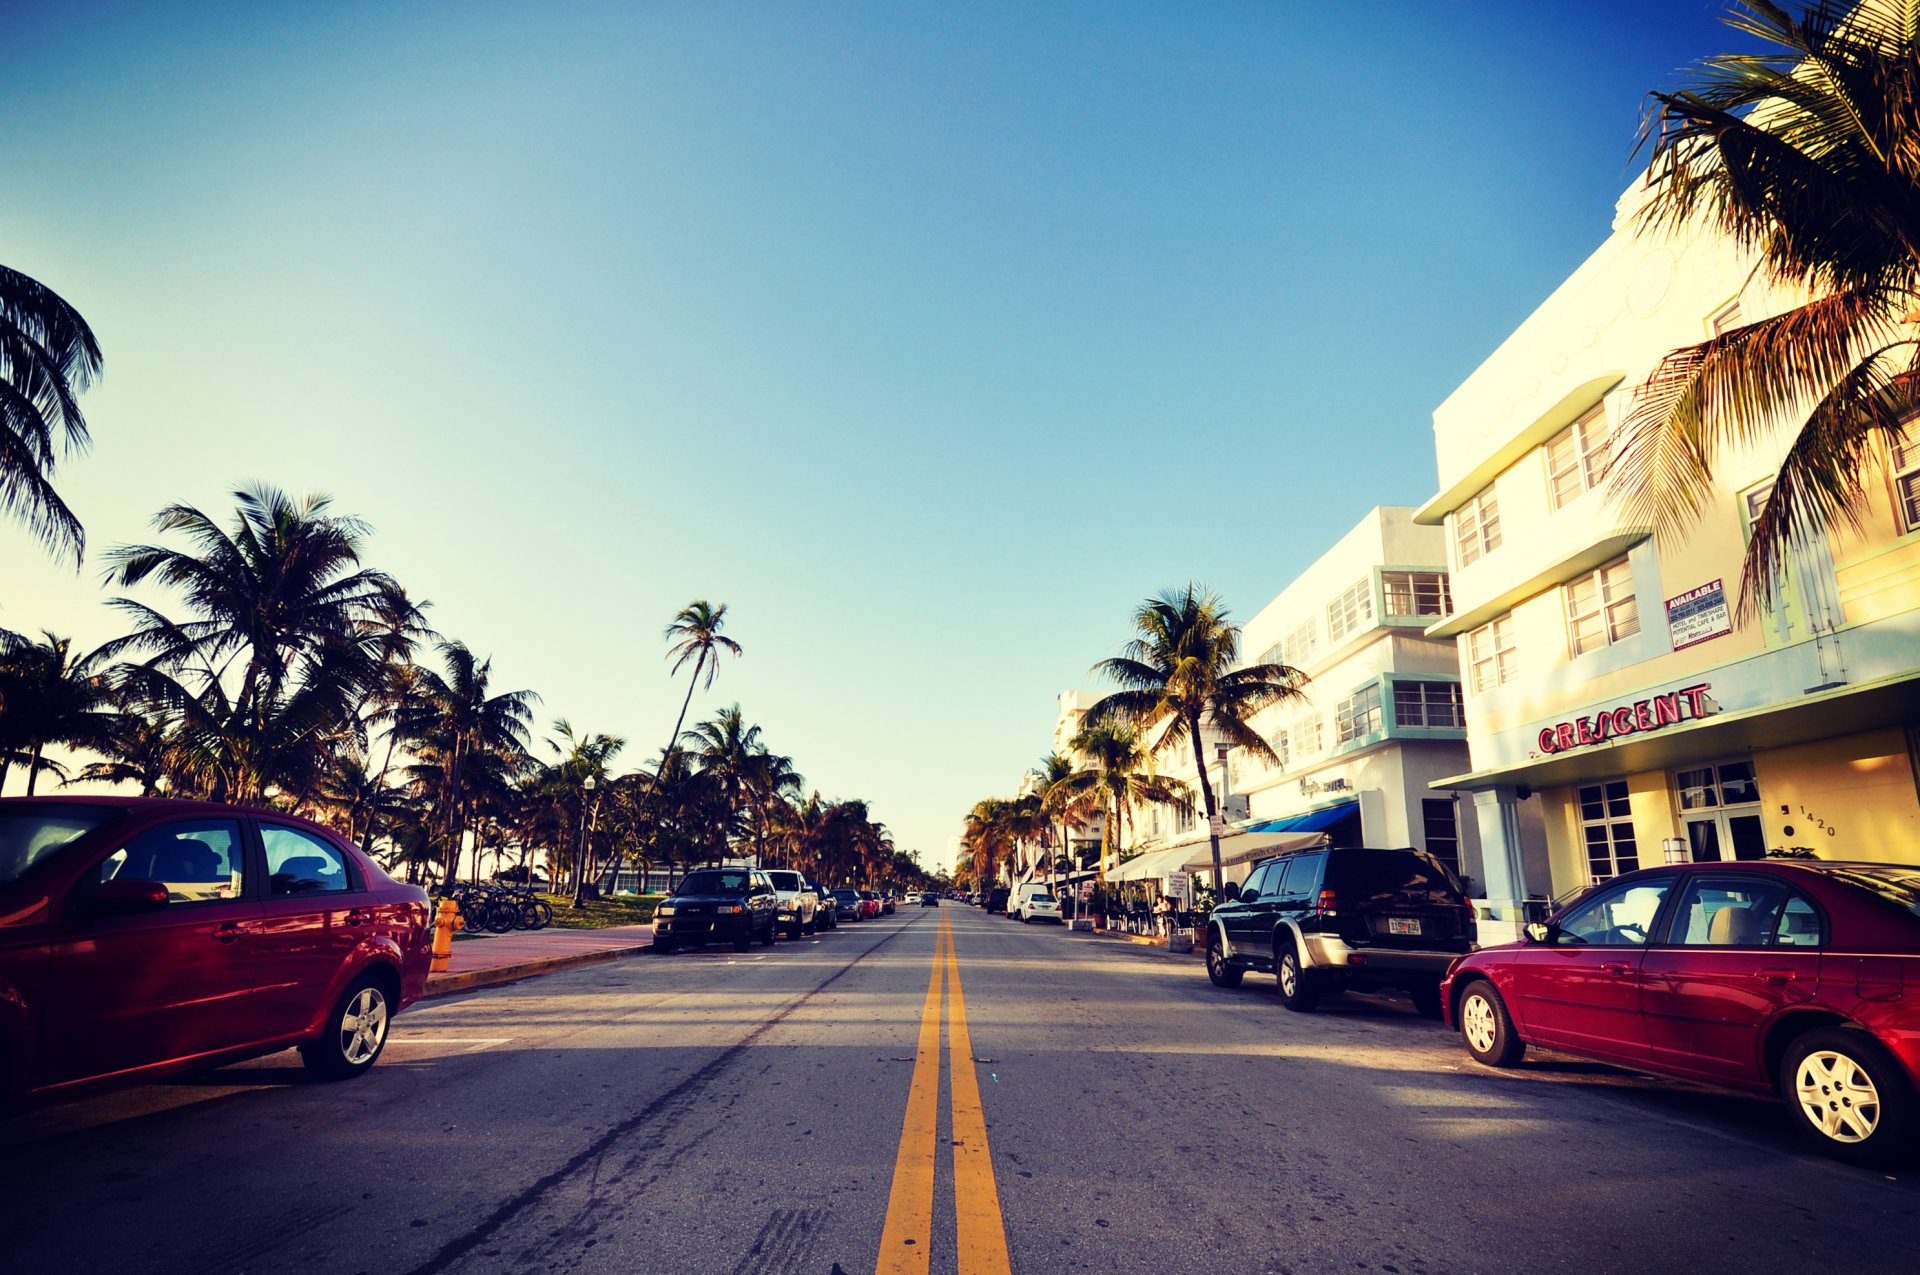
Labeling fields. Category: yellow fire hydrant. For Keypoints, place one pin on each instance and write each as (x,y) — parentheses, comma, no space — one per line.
(443,923)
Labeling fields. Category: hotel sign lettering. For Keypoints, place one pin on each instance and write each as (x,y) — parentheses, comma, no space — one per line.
(1628,719)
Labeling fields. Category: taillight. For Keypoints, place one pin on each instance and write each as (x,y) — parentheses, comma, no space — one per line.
(1329,904)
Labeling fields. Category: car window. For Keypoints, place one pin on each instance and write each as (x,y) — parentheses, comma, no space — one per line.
(1620,917)
(1737,912)
(199,860)
(1799,924)
(714,881)
(1255,884)
(786,880)
(298,862)
(1303,874)
(1394,876)
(29,834)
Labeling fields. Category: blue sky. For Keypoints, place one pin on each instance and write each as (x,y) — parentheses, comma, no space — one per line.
(930,338)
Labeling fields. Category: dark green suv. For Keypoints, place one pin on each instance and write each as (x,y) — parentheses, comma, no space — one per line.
(1330,919)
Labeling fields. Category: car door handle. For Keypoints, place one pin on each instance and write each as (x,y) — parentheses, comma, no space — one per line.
(228,933)
(1617,967)
(357,917)
(1775,975)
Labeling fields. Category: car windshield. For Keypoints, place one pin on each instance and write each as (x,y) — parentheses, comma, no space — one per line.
(1042,897)
(786,881)
(715,882)
(29,834)
(1894,882)
(844,894)
(1393,876)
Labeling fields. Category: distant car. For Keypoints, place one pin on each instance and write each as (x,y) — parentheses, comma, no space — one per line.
(140,937)
(828,916)
(887,904)
(997,899)
(795,903)
(928,899)
(1040,907)
(1016,905)
(717,905)
(869,904)
(1776,977)
(910,898)
(847,905)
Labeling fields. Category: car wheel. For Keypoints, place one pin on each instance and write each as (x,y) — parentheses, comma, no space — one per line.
(1487,1028)
(663,945)
(1219,972)
(766,940)
(796,931)
(1297,990)
(1848,1095)
(1426,1000)
(355,1033)
(744,939)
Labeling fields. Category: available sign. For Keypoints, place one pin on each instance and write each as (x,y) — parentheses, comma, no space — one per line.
(1628,719)
(1698,615)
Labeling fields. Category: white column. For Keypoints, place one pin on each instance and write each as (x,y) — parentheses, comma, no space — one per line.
(1503,871)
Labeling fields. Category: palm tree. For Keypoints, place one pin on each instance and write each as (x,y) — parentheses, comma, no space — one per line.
(695,635)
(1061,802)
(724,748)
(771,786)
(1114,774)
(50,694)
(138,749)
(582,772)
(1180,679)
(47,356)
(1805,155)
(277,592)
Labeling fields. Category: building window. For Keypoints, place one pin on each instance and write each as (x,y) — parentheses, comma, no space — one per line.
(1416,592)
(1427,705)
(1279,744)
(1906,477)
(1606,823)
(1301,645)
(1359,714)
(1438,817)
(1601,608)
(1725,319)
(1351,611)
(1491,653)
(1577,457)
(1476,527)
(1305,735)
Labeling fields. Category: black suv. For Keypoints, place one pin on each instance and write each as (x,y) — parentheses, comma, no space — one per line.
(717,905)
(1331,919)
(997,899)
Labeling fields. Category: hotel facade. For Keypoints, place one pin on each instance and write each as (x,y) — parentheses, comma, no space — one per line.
(1611,691)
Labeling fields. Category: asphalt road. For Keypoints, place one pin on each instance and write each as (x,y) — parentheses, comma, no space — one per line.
(743,1113)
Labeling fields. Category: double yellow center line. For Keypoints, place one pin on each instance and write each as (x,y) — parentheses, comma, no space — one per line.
(906,1241)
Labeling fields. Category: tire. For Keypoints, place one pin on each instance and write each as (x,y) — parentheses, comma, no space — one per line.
(1486,1028)
(663,946)
(355,1033)
(1219,972)
(501,919)
(1297,989)
(796,931)
(744,939)
(1849,1096)
(766,940)
(542,914)
(1426,1000)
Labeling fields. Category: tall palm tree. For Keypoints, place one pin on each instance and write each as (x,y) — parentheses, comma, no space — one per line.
(724,747)
(277,591)
(585,757)
(51,694)
(1807,154)
(1180,679)
(771,785)
(695,635)
(47,356)
(1061,802)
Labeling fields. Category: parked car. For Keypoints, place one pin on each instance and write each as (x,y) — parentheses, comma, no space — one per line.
(1329,919)
(997,899)
(1016,906)
(929,899)
(141,937)
(795,903)
(717,905)
(827,917)
(1781,977)
(847,905)
(869,904)
(1040,907)
(887,904)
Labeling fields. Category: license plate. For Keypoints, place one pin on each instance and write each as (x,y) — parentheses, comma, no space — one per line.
(1403,925)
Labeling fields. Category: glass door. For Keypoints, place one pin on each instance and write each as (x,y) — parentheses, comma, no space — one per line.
(1720,808)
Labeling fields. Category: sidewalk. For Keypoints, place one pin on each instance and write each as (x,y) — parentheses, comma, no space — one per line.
(503,958)
(1142,940)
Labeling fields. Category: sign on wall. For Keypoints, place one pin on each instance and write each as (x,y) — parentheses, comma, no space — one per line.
(1176,886)
(1699,615)
(1652,713)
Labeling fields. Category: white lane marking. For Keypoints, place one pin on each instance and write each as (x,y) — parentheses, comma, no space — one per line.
(478,1042)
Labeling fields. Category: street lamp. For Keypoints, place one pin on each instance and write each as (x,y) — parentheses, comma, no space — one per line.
(580,846)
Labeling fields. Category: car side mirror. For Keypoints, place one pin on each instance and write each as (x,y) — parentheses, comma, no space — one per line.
(1229,893)
(122,897)
(1539,932)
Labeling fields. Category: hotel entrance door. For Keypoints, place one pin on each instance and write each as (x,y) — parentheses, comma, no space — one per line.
(1720,805)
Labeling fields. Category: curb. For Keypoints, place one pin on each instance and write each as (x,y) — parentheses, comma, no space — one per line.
(448,984)
(1142,940)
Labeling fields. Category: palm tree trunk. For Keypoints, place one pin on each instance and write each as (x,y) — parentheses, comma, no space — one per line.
(33,767)
(1206,794)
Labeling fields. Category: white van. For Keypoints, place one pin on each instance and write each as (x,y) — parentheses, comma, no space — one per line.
(1017,905)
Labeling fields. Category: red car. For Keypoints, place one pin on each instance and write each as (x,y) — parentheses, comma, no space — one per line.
(1782,977)
(869,905)
(140,937)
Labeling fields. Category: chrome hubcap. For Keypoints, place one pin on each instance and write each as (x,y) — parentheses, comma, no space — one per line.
(363,1026)
(1837,1096)
(1476,1020)
(1289,976)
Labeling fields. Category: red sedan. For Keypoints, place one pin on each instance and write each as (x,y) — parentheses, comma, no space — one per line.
(869,905)
(1783,977)
(140,937)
